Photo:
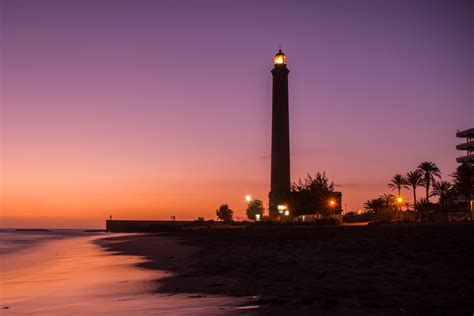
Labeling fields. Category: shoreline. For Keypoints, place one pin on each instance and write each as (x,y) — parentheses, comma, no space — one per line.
(378,269)
(74,274)
(167,253)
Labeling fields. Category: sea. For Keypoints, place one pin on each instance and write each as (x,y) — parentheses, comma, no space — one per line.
(64,272)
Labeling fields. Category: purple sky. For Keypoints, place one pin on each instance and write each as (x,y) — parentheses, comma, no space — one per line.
(150,109)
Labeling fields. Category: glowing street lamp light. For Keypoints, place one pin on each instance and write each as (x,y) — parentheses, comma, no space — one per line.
(257,217)
(248,198)
(332,204)
(281,208)
(399,201)
(287,213)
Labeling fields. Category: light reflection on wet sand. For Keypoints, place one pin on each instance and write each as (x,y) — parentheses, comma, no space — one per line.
(76,276)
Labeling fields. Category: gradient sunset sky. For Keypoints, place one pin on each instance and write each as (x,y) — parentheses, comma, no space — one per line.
(147,109)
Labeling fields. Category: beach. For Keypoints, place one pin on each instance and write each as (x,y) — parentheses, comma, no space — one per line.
(375,269)
(68,273)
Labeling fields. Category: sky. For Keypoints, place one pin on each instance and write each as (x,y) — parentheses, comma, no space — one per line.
(145,109)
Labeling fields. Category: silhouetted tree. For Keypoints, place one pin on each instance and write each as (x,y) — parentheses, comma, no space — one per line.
(414,180)
(398,182)
(430,172)
(383,208)
(424,206)
(443,190)
(407,205)
(255,207)
(319,183)
(374,205)
(463,182)
(224,213)
(353,217)
(312,194)
(388,200)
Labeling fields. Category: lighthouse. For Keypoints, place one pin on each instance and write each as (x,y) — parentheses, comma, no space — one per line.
(280,164)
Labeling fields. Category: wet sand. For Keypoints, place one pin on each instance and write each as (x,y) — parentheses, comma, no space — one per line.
(75,276)
(383,269)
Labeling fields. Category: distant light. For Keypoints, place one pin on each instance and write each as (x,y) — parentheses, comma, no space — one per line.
(279,60)
(248,198)
(304,217)
(399,199)
(281,207)
(257,217)
(332,202)
(287,213)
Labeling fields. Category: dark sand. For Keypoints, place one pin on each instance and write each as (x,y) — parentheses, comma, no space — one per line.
(383,269)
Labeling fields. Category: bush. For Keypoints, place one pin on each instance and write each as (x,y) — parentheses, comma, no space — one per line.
(255,208)
(224,213)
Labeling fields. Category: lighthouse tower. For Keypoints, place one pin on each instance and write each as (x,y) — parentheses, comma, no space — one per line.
(280,169)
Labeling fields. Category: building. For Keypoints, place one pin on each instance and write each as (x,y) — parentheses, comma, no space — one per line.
(280,160)
(282,201)
(468,146)
(468,159)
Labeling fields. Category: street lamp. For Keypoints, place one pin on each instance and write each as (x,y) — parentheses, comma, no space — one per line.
(248,198)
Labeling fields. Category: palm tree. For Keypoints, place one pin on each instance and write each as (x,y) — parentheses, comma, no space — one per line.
(414,180)
(430,172)
(424,206)
(407,204)
(388,199)
(398,182)
(442,190)
(463,182)
(374,205)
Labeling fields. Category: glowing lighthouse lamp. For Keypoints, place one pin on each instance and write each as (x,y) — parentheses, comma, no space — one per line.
(280,58)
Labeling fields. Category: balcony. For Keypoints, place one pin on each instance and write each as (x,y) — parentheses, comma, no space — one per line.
(466,133)
(468,159)
(466,146)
